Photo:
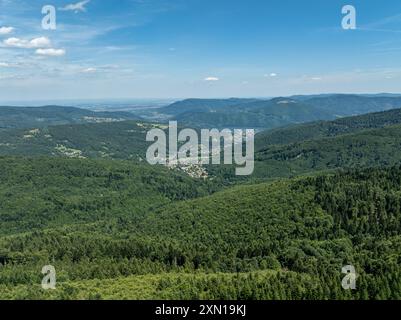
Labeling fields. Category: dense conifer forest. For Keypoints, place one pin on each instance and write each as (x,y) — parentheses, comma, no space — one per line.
(112,227)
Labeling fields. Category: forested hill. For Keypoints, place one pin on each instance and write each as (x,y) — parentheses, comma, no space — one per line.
(33,117)
(113,140)
(370,148)
(281,240)
(321,129)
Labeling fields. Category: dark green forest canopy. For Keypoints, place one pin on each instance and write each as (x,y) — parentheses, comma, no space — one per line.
(298,229)
(41,192)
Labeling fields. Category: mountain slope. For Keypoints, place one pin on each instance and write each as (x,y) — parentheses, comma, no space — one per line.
(367,148)
(36,193)
(321,129)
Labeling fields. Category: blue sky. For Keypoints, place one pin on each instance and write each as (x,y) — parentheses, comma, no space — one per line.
(197,48)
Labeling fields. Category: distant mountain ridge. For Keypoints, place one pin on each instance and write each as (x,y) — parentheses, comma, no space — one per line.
(202,105)
(276,112)
(348,105)
(235,113)
(32,117)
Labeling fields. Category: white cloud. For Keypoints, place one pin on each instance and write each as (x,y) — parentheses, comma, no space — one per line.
(316,78)
(77,7)
(51,52)
(40,42)
(6,30)
(272,75)
(211,79)
(89,70)
(4,65)
(27,44)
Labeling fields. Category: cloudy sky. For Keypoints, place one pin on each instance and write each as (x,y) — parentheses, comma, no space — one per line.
(197,48)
